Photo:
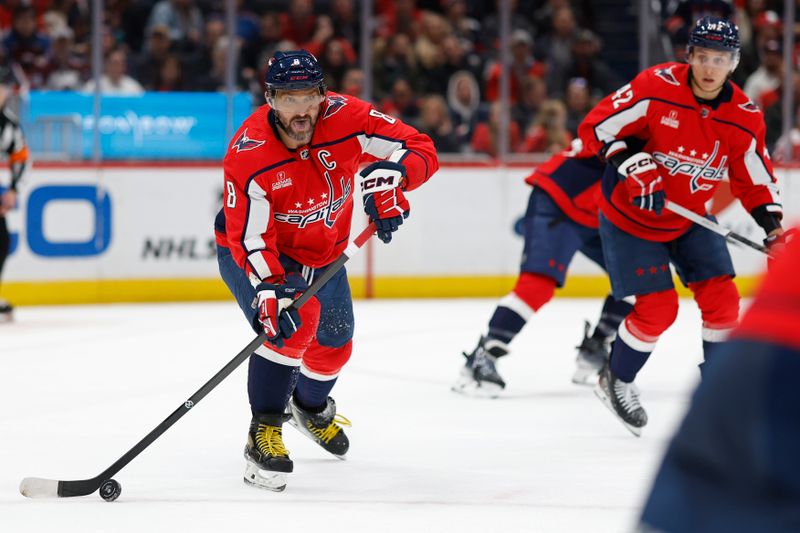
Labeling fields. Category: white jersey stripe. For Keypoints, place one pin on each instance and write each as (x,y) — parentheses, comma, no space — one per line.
(378,146)
(275,357)
(758,172)
(316,375)
(258,218)
(608,130)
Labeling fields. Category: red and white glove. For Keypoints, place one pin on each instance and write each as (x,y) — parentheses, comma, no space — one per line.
(643,182)
(384,201)
(280,323)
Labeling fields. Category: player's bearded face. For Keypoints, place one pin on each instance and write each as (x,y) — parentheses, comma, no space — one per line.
(297,112)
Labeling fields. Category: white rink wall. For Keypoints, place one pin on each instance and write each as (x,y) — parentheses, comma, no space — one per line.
(156,222)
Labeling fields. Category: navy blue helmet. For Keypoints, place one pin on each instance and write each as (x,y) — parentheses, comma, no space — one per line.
(715,33)
(293,70)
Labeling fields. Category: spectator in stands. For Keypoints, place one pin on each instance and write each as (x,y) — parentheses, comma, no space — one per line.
(301,26)
(65,70)
(486,137)
(337,56)
(455,57)
(263,44)
(26,46)
(170,75)
(156,49)
(353,82)
(434,120)
(214,80)
(555,48)
(523,65)
(465,29)
(428,46)
(114,80)
(464,100)
(686,12)
(548,132)
(346,22)
(585,63)
(402,103)
(768,76)
(399,16)
(490,27)
(578,101)
(184,20)
(773,117)
(532,95)
(394,59)
(198,63)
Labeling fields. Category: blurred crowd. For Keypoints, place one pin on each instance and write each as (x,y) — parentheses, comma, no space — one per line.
(435,63)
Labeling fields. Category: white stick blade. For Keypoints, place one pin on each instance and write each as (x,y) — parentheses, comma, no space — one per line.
(36,487)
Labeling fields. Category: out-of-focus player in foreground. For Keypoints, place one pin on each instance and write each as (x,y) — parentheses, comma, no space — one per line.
(13,144)
(289,177)
(734,466)
(674,132)
(561,220)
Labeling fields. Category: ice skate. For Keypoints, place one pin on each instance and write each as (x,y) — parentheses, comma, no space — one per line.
(479,376)
(6,311)
(592,356)
(324,428)
(267,459)
(622,399)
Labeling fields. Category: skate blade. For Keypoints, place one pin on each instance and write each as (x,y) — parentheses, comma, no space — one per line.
(264,479)
(585,376)
(601,394)
(470,387)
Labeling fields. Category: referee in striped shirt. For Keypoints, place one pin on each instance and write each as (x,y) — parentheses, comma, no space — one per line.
(12,143)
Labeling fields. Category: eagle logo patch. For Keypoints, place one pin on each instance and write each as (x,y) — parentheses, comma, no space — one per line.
(246,143)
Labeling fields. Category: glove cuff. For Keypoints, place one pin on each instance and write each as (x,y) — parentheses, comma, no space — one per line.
(382,176)
(768,216)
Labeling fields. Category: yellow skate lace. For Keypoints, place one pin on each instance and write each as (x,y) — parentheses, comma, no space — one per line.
(270,441)
(327,433)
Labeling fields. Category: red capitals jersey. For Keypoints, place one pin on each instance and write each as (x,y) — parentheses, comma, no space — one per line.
(572,179)
(694,144)
(299,202)
(775,314)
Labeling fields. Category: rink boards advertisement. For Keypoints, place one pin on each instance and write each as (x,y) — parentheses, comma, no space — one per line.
(124,233)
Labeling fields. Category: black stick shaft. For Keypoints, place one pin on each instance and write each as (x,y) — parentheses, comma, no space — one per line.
(78,488)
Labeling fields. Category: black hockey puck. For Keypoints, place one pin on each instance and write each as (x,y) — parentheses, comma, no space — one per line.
(110,490)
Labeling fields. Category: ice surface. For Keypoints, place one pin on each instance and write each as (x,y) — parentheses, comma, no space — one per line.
(81,385)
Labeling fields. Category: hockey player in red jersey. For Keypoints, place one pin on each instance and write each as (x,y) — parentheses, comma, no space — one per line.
(290,172)
(561,220)
(673,133)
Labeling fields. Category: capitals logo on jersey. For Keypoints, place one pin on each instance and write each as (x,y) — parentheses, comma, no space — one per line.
(335,104)
(318,211)
(667,75)
(679,162)
(246,143)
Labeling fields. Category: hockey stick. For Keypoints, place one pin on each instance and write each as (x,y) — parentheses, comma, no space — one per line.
(34,487)
(716,228)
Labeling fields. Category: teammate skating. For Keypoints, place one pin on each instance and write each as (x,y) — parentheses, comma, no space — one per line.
(675,132)
(290,172)
(561,220)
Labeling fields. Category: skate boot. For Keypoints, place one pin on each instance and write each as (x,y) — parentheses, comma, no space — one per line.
(6,311)
(479,376)
(323,428)
(622,399)
(267,458)
(592,355)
